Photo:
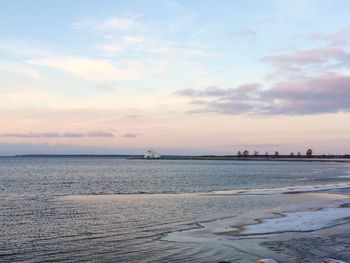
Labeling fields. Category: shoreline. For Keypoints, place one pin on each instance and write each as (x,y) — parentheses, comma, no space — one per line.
(278,159)
(289,190)
(316,227)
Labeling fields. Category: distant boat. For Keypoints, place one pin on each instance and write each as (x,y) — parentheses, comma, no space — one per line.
(151,155)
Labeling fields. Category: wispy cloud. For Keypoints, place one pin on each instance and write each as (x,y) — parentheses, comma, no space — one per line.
(23,135)
(58,135)
(298,9)
(245,34)
(120,45)
(151,45)
(329,54)
(100,134)
(24,48)
(88,68)
(112,23)
(73,134)
(130,135)
(20,69)
(45,148)
(314,56)
(339,37)
(214,91)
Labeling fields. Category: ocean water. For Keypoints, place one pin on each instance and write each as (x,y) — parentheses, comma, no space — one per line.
(92,209)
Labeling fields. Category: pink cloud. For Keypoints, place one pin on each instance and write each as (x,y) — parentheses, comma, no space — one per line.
(338,37)
(327,93)
(131,135)
(303,89)
(314,56)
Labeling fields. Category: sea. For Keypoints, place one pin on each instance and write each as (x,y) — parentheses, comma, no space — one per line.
(108,209)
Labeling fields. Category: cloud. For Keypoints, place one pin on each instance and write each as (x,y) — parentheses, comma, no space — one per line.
(105,87)
(110,24)
(130,135)
(172,50)
(132,36)
(298,9)
(88,68)
(99,133)
(314,56)
(328,93)
(133,116)
(49,134)
(24,48)
(245,34)
(44,148)
(330,54)
(115,23)
(151,46)
(113,48)
(211,91)
(117,46)
(73,134)
(7,149)
(339,37)
(214,91)
(19,69)
(21,135)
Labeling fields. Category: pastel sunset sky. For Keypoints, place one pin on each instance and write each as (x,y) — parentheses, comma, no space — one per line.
(182,77)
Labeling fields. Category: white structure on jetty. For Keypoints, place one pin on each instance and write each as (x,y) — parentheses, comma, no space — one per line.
(151,155)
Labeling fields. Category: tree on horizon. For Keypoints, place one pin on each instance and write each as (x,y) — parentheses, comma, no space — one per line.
(309,153)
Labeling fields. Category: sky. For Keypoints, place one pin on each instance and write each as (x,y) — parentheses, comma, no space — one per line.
(181,77)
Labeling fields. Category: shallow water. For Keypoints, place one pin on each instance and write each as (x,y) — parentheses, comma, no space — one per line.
(46,213)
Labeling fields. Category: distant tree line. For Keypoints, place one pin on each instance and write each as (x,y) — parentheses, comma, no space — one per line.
(245,153)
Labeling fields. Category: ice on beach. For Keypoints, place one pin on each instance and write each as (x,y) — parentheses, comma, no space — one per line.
(300,221)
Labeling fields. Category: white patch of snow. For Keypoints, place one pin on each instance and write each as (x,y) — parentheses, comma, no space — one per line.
(300,221)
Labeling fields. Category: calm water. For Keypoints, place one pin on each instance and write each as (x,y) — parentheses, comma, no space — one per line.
(41,222)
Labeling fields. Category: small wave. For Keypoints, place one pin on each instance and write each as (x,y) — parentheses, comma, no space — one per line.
(105,197)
